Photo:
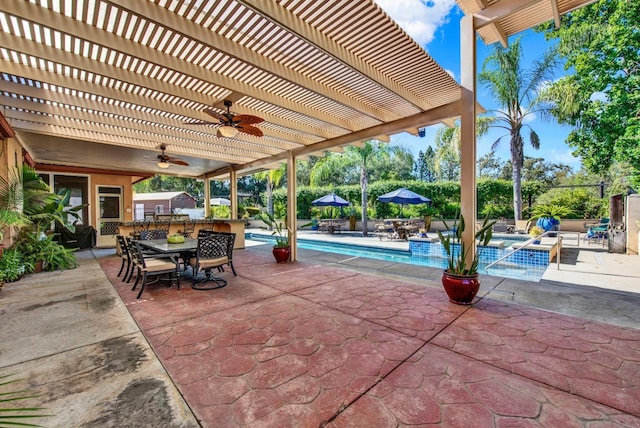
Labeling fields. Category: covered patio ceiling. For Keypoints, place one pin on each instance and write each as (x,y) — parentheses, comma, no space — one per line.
(497,20)
(102,84)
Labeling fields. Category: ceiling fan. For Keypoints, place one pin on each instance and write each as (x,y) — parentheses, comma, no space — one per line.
(230,124)
(164,160)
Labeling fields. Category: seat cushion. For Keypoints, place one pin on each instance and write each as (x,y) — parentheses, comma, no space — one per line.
(209,263)
(158,266)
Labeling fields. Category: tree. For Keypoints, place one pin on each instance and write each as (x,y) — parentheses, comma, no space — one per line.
(448,146)
(392,163)
(426,165)
(489,166)
(601,98)
(359,157)
(536,169)
(273,179)
(517,91)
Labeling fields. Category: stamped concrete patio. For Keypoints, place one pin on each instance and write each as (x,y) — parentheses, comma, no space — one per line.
(313,344)
(328,341)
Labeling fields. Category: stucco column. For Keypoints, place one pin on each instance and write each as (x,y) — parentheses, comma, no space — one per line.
(468,205)
(233,190)
(292,205)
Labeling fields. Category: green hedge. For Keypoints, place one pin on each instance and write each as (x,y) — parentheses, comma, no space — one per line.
(495,197)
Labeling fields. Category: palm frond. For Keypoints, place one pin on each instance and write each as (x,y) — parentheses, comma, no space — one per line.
(534,139)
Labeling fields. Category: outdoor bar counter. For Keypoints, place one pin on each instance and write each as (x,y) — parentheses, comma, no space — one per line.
(220,225)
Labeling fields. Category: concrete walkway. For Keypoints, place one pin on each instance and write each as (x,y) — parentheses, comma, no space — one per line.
(328,341)
(72,340)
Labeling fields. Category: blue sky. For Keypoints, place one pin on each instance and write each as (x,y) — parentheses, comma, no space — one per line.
(435,25)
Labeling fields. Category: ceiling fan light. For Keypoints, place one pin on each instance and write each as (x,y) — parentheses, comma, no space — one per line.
(228,131)
(163,165)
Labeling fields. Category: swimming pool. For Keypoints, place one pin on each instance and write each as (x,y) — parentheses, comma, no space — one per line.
(506,270)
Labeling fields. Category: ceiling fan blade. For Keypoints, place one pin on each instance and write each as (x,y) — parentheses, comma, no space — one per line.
(251,130)
(247,118)
(177,161)
(211,112)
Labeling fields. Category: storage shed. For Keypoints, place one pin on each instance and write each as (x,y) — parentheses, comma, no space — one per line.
(160,203)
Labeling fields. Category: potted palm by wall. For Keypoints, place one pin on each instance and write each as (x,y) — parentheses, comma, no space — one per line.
(281,249)
(548,215)
(460,281)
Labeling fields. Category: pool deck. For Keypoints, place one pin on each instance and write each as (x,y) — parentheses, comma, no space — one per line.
(581,263)
(328,341)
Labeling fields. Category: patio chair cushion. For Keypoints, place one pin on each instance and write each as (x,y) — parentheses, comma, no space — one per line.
(208,263)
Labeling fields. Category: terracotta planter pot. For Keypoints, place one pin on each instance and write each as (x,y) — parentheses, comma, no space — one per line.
(281,254)
(427,223)
(38,266)
(461,289)
(352,223)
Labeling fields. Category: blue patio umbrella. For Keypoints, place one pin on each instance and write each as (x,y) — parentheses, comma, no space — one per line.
(330,200)
(403,196)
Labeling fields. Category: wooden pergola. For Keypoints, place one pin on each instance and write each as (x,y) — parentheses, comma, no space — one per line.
(102,83)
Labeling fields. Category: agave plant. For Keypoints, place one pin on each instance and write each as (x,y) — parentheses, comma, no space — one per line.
(279,230)
(456,258)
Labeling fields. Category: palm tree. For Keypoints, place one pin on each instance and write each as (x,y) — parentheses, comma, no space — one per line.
(360,157)
(274,178)
(448,144)
(518,92)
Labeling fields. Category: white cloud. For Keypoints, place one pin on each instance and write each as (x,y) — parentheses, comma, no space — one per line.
(419,18)
(450,73)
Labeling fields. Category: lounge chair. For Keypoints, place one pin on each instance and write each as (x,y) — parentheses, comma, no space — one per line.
(501,227)
(522,226)
(596,231)
(384,230)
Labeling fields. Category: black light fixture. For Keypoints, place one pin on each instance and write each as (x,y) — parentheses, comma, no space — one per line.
(422,132)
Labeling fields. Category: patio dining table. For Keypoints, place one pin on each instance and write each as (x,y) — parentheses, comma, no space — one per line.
(185,249)
(190,245)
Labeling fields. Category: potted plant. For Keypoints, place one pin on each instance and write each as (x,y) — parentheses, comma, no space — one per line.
(534,232)
(41,252)
(460,281)
(12,266)
(352,218)
(281,249)
(548,215)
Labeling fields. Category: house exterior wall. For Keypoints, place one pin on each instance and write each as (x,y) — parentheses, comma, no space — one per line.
(123,181)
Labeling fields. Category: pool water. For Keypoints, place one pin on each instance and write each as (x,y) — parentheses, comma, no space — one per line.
(399,256)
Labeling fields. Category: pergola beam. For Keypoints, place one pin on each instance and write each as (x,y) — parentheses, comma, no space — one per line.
(426,118)
(278,13)
(229,47)
(108,40)
(111,100)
